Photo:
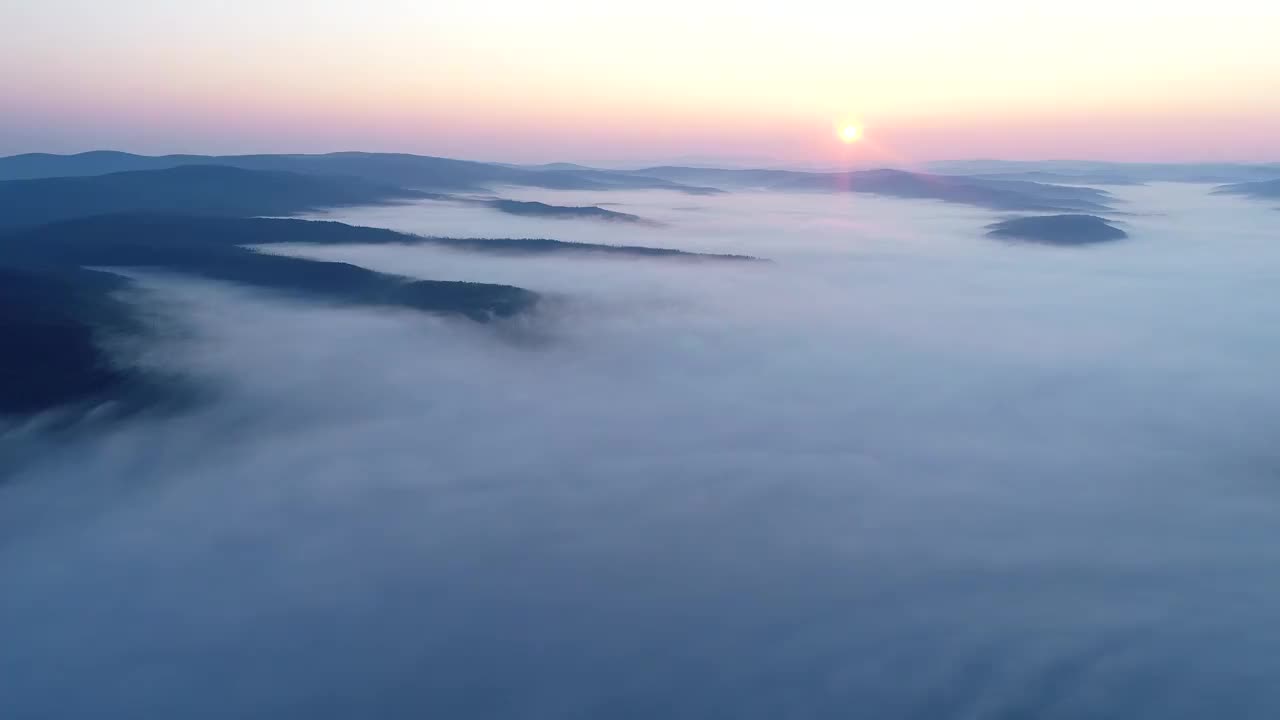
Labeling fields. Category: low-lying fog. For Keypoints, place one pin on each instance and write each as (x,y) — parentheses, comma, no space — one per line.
(904,471)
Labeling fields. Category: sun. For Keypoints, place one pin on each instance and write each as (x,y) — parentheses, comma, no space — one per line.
(850,133)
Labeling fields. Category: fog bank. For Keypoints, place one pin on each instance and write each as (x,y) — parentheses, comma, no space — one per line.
(903,471)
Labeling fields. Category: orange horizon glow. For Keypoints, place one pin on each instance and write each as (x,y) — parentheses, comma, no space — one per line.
(604,84)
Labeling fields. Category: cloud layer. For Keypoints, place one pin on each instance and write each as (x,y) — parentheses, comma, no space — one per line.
(904,471)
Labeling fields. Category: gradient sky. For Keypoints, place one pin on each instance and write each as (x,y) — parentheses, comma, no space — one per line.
(660,80)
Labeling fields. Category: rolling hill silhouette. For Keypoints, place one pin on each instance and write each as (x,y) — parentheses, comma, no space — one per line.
(195,189)
(410,171)
(1058,230)
(982,192)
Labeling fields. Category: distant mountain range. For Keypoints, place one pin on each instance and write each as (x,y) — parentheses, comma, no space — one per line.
(198,189)
(410,171)
(981,192)
(386,177)
(1088,172)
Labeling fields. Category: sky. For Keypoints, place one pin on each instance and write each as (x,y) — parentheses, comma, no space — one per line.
(664,80)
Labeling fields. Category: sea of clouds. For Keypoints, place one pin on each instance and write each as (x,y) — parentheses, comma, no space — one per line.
(900,471)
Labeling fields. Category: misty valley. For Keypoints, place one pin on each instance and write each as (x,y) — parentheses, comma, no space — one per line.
(386,435)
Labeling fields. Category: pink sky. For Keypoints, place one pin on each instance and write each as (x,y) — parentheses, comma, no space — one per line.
(575,81)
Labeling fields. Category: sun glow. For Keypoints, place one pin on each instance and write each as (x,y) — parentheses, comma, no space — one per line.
(850,133)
